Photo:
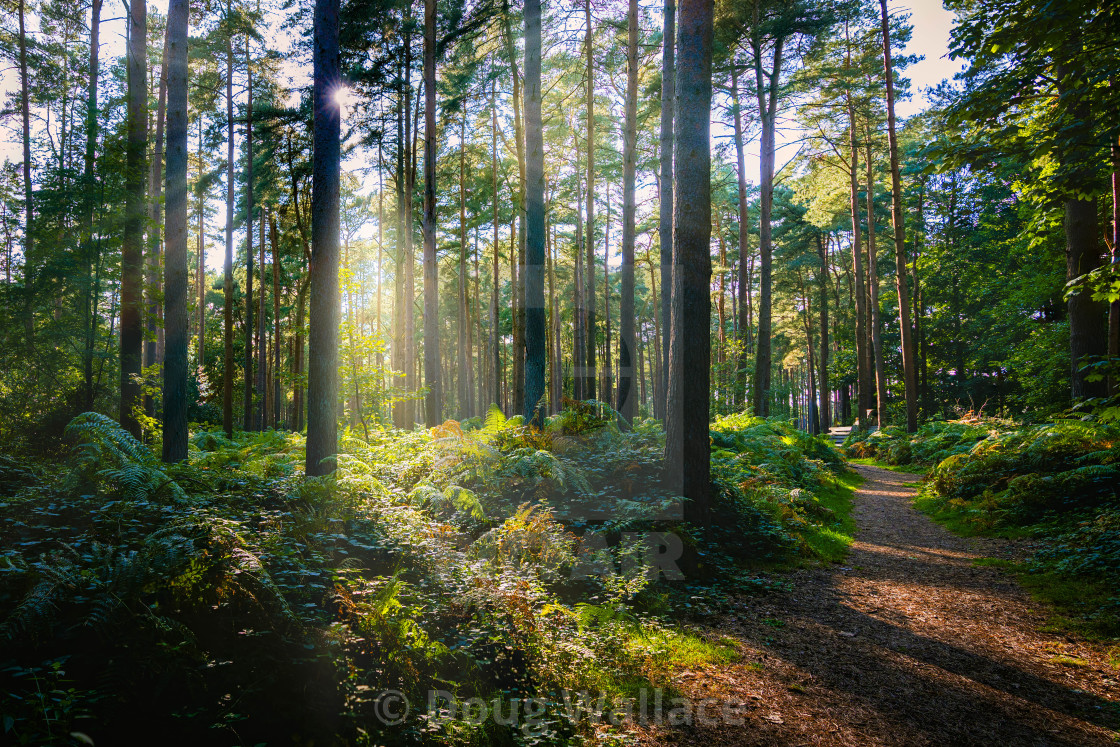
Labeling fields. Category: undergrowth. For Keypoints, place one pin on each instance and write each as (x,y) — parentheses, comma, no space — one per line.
(1056,483)
(231,600)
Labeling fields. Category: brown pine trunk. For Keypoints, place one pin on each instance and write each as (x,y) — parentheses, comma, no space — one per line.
(665,198)
(825,399)
(176,271)
(227,306)
(627,341)
(153,348)
(873,293)
(908,368)
(132,242)
(687,444)
(589,299)
(433,411)
(322,374)
(247,418)
(464,353)
(744,246)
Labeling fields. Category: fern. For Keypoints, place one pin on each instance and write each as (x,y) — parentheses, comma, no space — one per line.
(106,455)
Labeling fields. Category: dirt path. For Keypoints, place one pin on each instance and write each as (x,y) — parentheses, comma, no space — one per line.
(908,644)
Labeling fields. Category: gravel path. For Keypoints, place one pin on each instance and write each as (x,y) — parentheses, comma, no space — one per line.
(908,644)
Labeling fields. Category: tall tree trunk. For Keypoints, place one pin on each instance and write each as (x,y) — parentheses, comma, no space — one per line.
(1114,307)
(687,445)
(322,375)
(132,242)
(591,329)
(579,352)
(89,180)
(873,293)
(227,310)
(767,110)
(627,396)
(605,383)
(534,221)
(28,202)
(744,243)
(152,347)
(247,386)
(556,380)
(518,286)
(908,368)
(261,421)
(400,407)
(863,360)
(434,402)
(464,320)
(495,340)
(826,403)
(665,185)
(277,392)
(175,290)
(201,269)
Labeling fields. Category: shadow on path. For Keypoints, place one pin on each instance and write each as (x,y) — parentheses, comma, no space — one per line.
(908,644)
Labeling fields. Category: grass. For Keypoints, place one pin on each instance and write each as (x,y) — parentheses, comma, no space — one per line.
(1070,599)
(960,523)
(909,469)
(830,542)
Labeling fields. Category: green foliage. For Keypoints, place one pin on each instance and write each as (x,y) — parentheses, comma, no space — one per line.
(1058,483)
(932,442)
(438,559)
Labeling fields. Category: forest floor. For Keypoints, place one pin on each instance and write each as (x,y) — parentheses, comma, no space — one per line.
(909,643)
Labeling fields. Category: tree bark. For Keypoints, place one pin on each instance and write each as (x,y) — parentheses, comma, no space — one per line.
(873,294)
(826,402)
(322,378)
(28,202)
(152,348)
(247,419)
(495,349)
(591,330)
(89,180)
(626,398)
(175,290)
(744,243)
(908,367)
(227,309)
(767,110)
(433,410)
(464,320)
(687,444)
(534,220)
(665,184)
(132,242)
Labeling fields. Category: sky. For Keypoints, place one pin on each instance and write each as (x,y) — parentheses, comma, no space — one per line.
(932,24)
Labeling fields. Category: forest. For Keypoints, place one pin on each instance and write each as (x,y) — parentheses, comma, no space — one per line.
(477,372)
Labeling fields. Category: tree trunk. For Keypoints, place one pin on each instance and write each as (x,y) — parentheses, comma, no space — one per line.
(152,348)
(132,242)
(247,387)
(227,310)
(627,394)
(687,444)
(767,110)
(89,180)
(322,377)
(873,293)
(908,368)
(175,290)
(665,184)
(518,286)
(28,202)
(277,392)
(464,320)
(495,341)
(534,220)
(826,403)
(744,244)
(434,402)
(589,298)
(863,362)
(579,346)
